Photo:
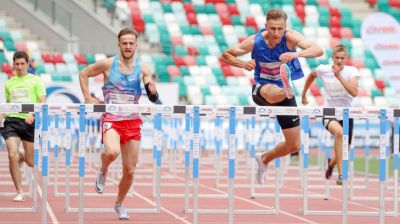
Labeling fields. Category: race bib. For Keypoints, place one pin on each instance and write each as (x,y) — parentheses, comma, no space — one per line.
(270,71)
(20,95)
(121,99)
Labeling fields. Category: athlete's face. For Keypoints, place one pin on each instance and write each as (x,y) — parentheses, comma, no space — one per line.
(127,45)
(276,28)
(339,59)
(20,66)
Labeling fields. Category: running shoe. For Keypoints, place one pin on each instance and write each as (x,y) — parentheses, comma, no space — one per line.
(261,170)
(121,211)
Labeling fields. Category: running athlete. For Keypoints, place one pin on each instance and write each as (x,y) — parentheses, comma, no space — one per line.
(22,88)
(121,132)
(340,87)
(275,63)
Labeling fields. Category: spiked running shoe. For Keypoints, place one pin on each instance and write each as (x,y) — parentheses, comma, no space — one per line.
(339,180)
(329,170)
(286,80)
(261,169)
(121,211)
(100,182)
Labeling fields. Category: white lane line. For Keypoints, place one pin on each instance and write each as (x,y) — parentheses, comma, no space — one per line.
(256,203)
(48,207)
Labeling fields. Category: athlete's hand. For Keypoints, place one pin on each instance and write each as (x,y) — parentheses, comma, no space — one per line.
(336,70)
(304,100)
(30,119)
(288,56)
(92,100)
(249,65)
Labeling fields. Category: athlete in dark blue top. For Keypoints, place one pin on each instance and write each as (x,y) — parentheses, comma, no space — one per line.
(275,63)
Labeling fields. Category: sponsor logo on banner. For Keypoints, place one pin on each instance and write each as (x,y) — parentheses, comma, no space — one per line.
(381,34)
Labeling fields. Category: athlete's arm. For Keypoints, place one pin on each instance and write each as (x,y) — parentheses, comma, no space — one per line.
(230,55)
(93,70)
(311,77)
(296,39)
(149,84)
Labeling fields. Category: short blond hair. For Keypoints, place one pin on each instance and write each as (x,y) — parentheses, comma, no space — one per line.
(339,48)
(275,14)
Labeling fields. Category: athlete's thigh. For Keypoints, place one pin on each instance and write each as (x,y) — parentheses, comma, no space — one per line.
(111,141)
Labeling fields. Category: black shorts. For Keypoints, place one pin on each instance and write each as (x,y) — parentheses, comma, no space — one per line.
(326,122)
(16,127)
(284,121)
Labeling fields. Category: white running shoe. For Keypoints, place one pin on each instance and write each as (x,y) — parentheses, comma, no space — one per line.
(100,182)
(262,168)
(19,197)
(121,211)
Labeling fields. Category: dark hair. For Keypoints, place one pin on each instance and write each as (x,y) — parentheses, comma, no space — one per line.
(275,14)
(127,31)
(21,54)
(339,48)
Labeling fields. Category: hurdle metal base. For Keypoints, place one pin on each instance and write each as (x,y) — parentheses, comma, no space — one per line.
(236,211)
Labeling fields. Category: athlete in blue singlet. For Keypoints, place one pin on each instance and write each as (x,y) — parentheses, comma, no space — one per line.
(121,132)
(275,63)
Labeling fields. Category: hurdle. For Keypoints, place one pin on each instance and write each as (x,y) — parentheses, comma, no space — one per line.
(346,113)
(232,112)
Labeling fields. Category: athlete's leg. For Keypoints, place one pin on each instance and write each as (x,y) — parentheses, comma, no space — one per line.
(130,154)
(290,145)
(12,144)
(272,93)
(336,130)
(28,155)
(112,148)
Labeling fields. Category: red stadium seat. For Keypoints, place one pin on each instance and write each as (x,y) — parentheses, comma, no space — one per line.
(189,8)
(192,51)
(58,58)
(346,33)
(47,58)
(192,19)
(299,2)
(300,12)
(323,3)
(206,30)
(225,19)
(334,12)
(6,68)
(314,89)
(334,21)
(176,40)
(189,60)
(251,22)
(21,46)
(358,63)
(380,84)
(233,10)
(81,59)
(179,61)
(335,32)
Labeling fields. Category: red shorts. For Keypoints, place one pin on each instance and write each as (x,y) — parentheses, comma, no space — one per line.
(127,129)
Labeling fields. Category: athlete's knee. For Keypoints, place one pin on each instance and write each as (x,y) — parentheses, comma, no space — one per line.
(110,155)
(128,172)
(338,134)
(29,163)
(293,146)
(13,156)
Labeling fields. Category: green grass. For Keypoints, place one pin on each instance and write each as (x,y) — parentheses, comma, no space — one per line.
(359,165)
